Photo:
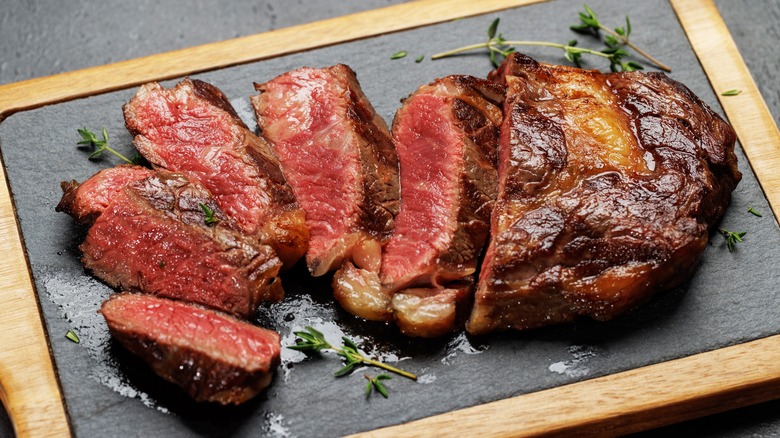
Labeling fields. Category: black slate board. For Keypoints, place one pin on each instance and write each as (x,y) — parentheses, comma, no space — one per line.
(731,299)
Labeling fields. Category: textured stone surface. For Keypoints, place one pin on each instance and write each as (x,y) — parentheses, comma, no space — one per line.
(43,37)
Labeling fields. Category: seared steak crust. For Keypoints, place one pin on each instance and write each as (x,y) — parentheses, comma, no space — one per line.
(193,129)
(210,355)
(608,187)
(337,154)
(153,238)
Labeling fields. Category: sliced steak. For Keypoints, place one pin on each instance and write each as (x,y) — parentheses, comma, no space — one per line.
(337,154)
(446,135)
(212,356)
(193,129)
(85,201)
(608,186)
(153,238)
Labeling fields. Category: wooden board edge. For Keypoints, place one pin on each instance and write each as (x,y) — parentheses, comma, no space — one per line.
(29,388)
(611,415)
(622,403)
(34,93)
(747,112)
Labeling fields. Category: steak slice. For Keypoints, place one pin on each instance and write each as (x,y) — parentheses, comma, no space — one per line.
(608,187)
(153,238)
(337,154)
(193,129)
(212,356)
(84,202)
(446,135)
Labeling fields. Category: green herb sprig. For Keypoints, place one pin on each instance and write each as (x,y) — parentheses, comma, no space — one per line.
(399,55)
(208,215)
(732,238)
(375,383)
(754,212)
(89,139)
(497,45)
(615,38)
(313,341)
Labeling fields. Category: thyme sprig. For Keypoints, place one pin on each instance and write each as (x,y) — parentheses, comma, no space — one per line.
(732,238)
(89,139)
(312,340)
(208,215)
(754,212)
(615,38)
(497,45)
(375,383)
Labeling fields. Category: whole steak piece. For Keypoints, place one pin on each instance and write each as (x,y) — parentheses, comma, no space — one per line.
(212,356)
(608,187)
(338,156)
(193,129)
(154,236)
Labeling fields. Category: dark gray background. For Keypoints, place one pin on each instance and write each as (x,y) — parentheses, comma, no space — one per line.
(42,38)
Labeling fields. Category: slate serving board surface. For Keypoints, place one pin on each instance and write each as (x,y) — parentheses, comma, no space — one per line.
(730,299)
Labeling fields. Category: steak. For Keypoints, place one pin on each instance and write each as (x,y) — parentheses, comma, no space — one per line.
(608,187)
(338,156)
(193,129)
(84,202)
(212,356)
(446,134)
(153,237)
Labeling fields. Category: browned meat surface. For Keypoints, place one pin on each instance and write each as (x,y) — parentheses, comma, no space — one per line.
(608,186)
(85,201)
(192,128)
(212,356)
(152,237)
(338,156)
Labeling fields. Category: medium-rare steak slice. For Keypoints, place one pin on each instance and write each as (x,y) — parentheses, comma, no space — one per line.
(446,134)
(85,201)
(154,237)
(608,187)
(212,356)
(193,129)
(337,154)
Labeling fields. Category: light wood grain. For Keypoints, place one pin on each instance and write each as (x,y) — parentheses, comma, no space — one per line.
(617,404)
(28,387)
(621,403)
(747,112)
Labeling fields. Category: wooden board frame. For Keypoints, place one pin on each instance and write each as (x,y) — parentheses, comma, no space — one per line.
(617,404)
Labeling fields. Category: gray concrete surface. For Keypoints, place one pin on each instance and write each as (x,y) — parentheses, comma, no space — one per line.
(43,37)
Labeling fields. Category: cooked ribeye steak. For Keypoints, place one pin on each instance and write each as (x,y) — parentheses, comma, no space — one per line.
(212,356)
(608,187)
(153,237)
(85,201)
(337,154)
(193,129)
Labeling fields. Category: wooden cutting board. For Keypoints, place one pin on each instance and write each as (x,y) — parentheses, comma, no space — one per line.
(619,403)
